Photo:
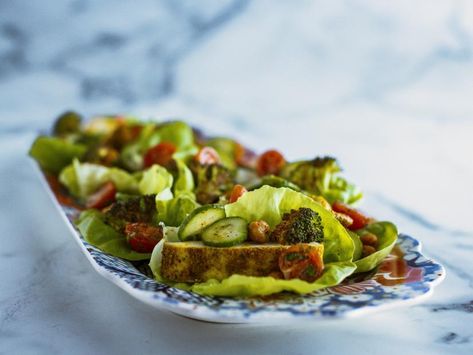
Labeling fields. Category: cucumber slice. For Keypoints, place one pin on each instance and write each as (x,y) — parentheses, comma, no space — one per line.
(226,232)
(198,219)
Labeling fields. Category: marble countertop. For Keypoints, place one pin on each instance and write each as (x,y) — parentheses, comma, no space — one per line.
(385,87)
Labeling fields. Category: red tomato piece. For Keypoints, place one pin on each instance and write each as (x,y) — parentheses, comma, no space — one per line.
(301,262)
(245,157)
(207,156)
(359,219)
(159,154)
(270,162)
(237,192)
(143,237)
(104,196)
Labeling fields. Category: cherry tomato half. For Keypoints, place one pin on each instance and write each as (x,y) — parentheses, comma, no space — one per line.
(237,192)
(301,262)
(104,196)
(143,237)
(270,162)
(359,219)
(159,154)
(245,157)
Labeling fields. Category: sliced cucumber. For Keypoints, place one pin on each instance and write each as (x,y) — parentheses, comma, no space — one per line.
(226,232)
(200,218)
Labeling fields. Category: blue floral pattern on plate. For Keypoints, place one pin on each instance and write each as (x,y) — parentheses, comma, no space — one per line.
(405,277)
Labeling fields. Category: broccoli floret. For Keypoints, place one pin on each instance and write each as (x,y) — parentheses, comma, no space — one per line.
(314,175)
(299,226)
(320,176)
(131,210)
(67,123)
(212,181)
(327,163)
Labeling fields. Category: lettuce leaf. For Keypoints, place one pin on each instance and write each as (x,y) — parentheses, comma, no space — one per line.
(131,155)
(358,245)
(172,212)
(269,204)
(185,180)
(321,176)
(339,189)
(387,237)
(83,179)
(241,286)
(178,133)
(53,154)
(226,149)
(156,180)
(104,237)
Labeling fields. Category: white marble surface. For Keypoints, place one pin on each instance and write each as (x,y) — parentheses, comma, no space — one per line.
(385,86)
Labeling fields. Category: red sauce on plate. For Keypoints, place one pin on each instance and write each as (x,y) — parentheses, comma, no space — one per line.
(395,271)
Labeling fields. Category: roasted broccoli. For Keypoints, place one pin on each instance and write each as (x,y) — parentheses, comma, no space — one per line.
(212,181)
(275,181)
(131,210)
(320,176)
(299,226)
(313,175)
(67,123)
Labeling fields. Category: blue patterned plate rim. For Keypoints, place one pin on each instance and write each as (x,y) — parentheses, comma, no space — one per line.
(411,281)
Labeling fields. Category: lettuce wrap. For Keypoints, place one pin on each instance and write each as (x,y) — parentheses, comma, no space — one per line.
(83,179)
(104,237)
(269,203)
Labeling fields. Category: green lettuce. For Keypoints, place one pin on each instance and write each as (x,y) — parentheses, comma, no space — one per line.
(104,237)
(339,189)
(172,208)
(185,180)
(321,176)
(172,212)
(226,149)
(387,237)
(240,285)
(83,179)
(53,154)
(156,180)
(358,245)
(131,155)
(178,133)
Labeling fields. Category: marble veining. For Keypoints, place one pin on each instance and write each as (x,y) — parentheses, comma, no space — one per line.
(384,86)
